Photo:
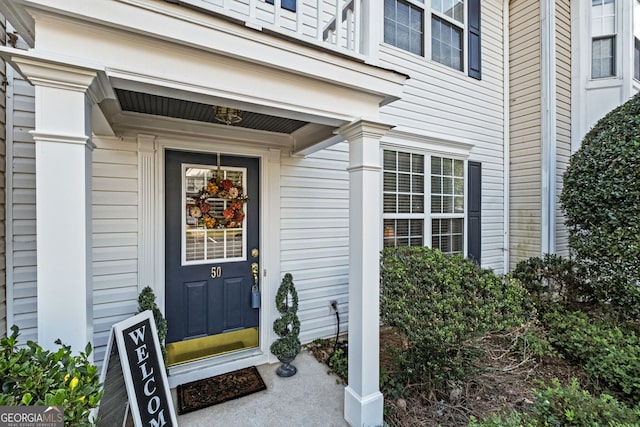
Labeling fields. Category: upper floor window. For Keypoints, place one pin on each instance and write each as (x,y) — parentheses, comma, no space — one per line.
(603,38)
(285,4)
(446,22)
(636,34)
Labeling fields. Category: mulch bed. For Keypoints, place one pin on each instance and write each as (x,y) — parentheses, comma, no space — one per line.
(506,381)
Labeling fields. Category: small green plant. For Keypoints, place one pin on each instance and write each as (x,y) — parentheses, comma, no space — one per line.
(564,406)
(339,364)
(147,301)
(30,375)
(287,326)
(609,354)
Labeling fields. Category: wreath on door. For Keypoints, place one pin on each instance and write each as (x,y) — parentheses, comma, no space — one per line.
(234,199)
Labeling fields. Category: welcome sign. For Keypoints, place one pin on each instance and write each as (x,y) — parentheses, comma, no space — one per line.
(134,361)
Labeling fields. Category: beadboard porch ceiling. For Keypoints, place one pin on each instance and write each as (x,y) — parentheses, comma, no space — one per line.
(145,103)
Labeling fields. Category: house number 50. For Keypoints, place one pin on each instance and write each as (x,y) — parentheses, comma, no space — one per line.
(216,272)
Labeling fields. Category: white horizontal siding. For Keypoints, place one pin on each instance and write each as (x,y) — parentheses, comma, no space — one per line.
(525,130)
(563,119)
(447,103)
(315,236)
(115,238)
(23,212)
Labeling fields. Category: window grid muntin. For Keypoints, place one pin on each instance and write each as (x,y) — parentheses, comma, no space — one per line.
(430,11)
(447,43)
(408,34)
(428,228)
(454,13)
(603,18)
(603,57)
(403,183)
(196,248)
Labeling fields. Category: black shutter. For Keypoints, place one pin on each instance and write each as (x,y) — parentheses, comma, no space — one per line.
(474,229)
(475,59)
(285,4)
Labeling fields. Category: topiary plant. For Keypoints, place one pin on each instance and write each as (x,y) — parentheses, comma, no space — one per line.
(287,326)
(147,301)
(601,200)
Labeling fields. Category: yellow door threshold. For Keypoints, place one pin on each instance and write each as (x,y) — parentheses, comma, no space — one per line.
(213,345)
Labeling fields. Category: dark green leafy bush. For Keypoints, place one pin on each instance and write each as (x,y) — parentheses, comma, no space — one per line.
(551,279)
(559,406)
(438,304)
(601,200)
(609,354)
(30,375)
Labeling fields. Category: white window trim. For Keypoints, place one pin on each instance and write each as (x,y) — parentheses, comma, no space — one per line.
(428,146)
(635,34)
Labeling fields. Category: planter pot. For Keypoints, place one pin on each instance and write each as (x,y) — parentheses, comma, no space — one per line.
(286,369)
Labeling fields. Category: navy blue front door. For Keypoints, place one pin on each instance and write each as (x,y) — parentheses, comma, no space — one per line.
(211,242)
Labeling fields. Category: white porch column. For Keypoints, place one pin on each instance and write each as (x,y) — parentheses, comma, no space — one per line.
(63,202)
(363,402)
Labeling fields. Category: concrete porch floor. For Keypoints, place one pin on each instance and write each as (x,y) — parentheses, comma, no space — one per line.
(310,398)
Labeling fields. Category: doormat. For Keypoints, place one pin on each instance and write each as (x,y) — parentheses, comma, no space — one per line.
(221,388)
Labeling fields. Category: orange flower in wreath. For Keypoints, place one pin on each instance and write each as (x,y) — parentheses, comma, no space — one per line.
(228,213)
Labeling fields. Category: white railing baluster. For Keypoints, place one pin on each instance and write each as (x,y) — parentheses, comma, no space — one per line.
(338,21)
(349,26)
(252,10)
(350,29)
(357,30)
(277,5)
(299,8)
(320,25)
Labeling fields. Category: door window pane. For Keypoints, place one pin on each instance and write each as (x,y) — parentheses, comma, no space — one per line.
(214,214)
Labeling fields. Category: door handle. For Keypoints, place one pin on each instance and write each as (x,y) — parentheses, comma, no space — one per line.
(254,270)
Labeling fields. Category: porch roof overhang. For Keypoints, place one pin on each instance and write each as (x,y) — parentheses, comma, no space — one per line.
(161,50)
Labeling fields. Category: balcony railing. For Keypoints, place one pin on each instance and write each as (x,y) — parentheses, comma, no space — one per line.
(334,24)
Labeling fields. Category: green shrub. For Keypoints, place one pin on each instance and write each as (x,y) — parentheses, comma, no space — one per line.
(438,304)
(147,301)
(601,200)
(30,375)
(608,354)
(550,279)
(559,406)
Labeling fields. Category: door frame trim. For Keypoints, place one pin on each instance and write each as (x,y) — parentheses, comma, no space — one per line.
(151,200)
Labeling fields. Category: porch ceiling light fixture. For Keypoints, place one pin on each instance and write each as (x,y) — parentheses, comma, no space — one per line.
(227,115)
